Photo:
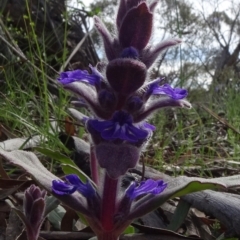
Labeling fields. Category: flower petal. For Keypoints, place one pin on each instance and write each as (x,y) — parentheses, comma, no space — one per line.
(148,126)
(119,127)
(175,93)
(62,188)
(79,75)
(146,187)
(86,189)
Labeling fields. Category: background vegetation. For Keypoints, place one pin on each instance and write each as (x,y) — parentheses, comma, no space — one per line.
(41,38)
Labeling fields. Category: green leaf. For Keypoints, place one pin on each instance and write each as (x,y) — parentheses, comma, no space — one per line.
(179,215)
(94,12)
(69,169)
(130,229)
(83,219)
(196,186)
(55,216)
(68,166)
(56,156)
(51,204)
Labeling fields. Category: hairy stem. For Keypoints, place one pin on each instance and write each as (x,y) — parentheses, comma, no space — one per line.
(94,166)
(109,203)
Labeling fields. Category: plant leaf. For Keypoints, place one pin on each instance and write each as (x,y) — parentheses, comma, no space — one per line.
(177,187)
(179,215)
(19,213)
(68,169)
(30,163)
(51,204)
(61,158)
(68,166)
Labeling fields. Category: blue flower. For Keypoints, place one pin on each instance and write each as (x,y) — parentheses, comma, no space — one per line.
(148,126)
(73,184)
(166,89)
(79,75)
(119,127)
(145,187)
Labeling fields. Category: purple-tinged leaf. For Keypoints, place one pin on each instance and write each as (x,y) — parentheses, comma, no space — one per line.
(111,45)
(117,159)
(27,204)
(89,95)
(126,75)
(133,3)
(122,10)
(150,55)
(38,210)
(30,163)
(158,104)
(153,5)
(136,28)
(177,187)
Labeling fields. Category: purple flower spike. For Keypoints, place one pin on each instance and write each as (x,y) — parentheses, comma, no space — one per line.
(34,210)
(174,93)
(136,27)
(119,127)
(78,75)
(146,187)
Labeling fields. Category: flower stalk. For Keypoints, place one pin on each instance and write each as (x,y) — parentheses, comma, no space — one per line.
(120,97)
(94,166)
(109,203)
